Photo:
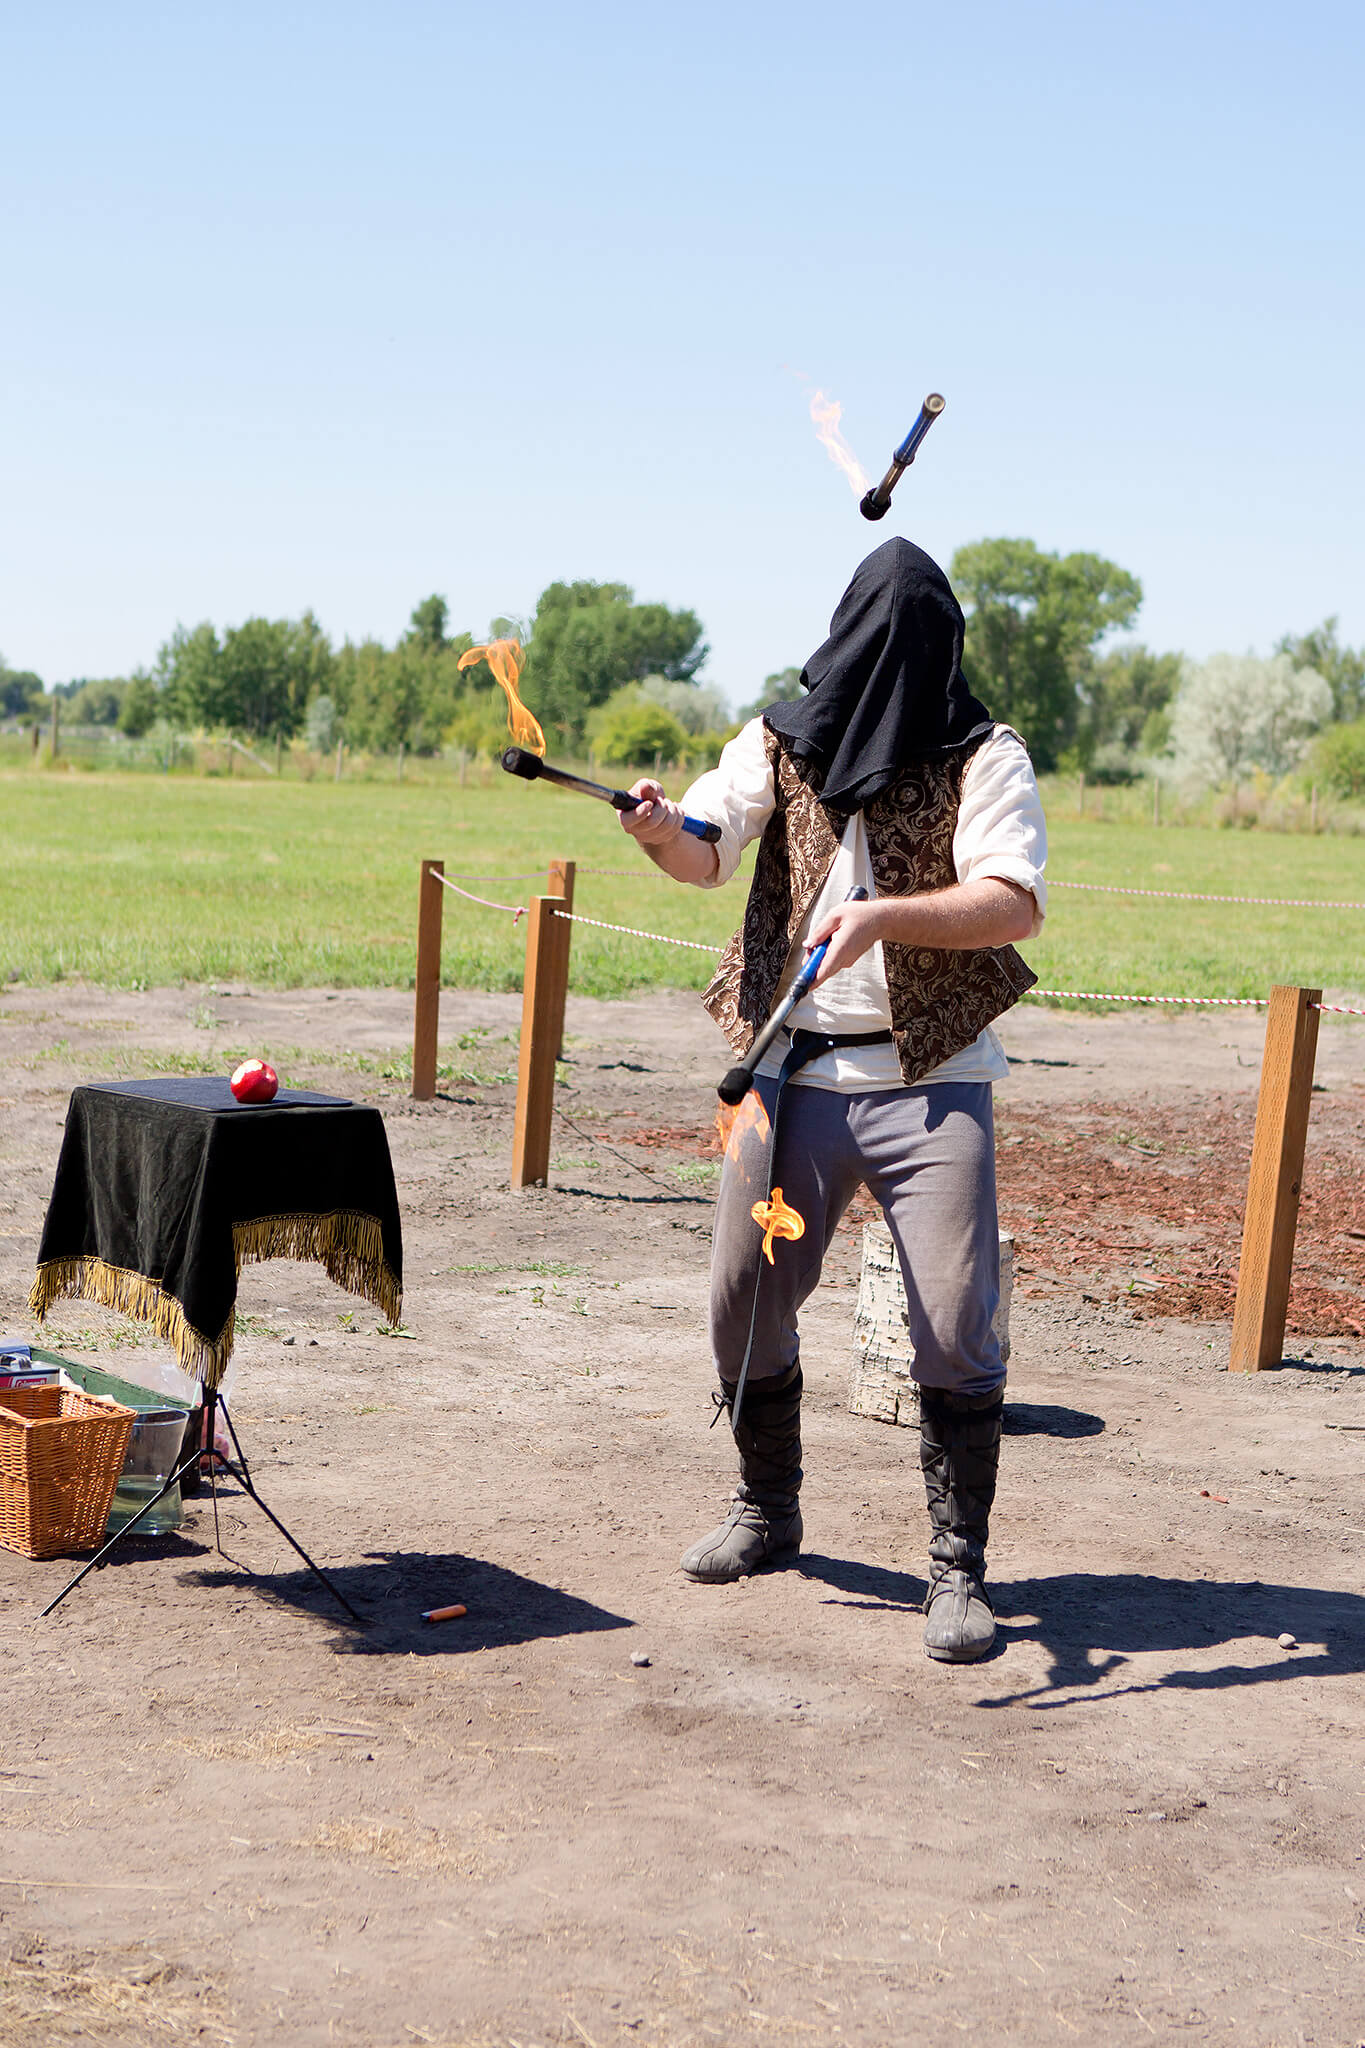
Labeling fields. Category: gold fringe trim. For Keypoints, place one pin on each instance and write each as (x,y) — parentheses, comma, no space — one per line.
(348,1246)
(146,1301)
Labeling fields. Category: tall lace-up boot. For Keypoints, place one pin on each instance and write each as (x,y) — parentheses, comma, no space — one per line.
(959,1450)
(763,1526)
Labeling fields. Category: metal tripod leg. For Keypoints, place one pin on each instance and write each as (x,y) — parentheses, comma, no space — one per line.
(240,1471)
(102,1555)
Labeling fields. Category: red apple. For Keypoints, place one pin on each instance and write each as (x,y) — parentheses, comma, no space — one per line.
(254,1081)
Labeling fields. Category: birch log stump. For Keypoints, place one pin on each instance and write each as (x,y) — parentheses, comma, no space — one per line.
(882,1385)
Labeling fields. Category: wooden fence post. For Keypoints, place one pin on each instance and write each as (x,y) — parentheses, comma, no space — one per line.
(1272,1213)
(427,1001)
(561,884)
(542,1003)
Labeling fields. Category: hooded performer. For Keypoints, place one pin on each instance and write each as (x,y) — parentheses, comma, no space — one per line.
(889,774)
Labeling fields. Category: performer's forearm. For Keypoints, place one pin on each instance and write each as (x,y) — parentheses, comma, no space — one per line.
(960,919)
(968,915)
(657,828)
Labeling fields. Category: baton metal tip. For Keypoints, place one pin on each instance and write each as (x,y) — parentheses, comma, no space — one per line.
(934,404)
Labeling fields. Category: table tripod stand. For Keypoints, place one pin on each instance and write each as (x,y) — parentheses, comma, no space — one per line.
(237,1469)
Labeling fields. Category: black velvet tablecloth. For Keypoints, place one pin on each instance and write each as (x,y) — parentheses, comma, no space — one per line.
(164,1189)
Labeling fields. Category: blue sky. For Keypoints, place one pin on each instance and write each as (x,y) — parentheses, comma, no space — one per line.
(337,306)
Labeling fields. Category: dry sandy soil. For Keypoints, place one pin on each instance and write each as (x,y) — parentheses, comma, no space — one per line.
(232,1817)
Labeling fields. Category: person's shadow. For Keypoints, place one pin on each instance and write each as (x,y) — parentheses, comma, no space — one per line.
(1093,1623)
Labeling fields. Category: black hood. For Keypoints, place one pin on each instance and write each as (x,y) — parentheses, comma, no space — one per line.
(886,689)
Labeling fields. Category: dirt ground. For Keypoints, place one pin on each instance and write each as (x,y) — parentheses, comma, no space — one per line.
(232,1817)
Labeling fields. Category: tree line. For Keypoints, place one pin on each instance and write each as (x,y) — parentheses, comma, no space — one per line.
(622,679)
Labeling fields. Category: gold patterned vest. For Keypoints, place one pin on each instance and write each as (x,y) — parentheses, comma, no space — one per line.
(940,999)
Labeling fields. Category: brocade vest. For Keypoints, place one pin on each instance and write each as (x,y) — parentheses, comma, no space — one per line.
(941,999)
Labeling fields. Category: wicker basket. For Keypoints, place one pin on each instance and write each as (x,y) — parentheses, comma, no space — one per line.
(61,1452)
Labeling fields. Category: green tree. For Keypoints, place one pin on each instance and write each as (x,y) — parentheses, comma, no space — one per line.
(251,690)
(96,704)
(636,733)
(589,638)
(138,711)
(1126,697)
(1338,758)
(1341,668)
(258,680)
(186,674)
(429,620)
(21,692)
(1033,621)
(782,687)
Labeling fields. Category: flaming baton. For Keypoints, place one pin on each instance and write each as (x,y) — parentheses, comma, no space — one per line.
(735,1085)
(518,761)
(506,658)
(877,503)
(774,1216)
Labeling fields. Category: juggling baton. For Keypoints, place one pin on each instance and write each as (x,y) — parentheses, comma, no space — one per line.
(735,1085)
(518,761)
(877,502)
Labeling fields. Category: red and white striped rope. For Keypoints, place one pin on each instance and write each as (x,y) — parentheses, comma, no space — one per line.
(652,874)
(1087,995)
(1080,995)
(1072,995)
(633,932)
(1188,896)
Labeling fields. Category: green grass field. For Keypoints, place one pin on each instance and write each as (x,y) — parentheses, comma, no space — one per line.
(142,881)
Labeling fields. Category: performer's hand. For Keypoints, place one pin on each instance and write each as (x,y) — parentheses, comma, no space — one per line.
(851,929)
(657,822)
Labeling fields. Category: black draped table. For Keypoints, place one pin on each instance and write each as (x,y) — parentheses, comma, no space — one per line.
(165,1189)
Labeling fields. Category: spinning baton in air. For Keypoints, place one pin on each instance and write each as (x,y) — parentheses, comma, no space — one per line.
(877,502)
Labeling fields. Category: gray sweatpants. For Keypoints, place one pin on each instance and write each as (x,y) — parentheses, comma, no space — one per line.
(928,1156)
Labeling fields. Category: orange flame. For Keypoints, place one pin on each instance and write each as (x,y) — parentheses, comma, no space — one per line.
(778,1219)
(734,1124)
(507,659)
(827,413)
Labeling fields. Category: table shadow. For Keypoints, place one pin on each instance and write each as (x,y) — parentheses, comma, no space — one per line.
(392,1589)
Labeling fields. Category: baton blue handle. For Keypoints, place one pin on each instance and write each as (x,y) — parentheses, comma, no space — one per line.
(815,960)
(702,828)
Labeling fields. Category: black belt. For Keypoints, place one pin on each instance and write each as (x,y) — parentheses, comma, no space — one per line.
(812,1045)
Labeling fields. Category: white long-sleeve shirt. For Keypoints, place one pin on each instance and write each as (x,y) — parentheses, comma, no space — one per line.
(1000,832)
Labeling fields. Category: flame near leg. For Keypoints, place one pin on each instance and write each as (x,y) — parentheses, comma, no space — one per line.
(735,1124)
(777,1218)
